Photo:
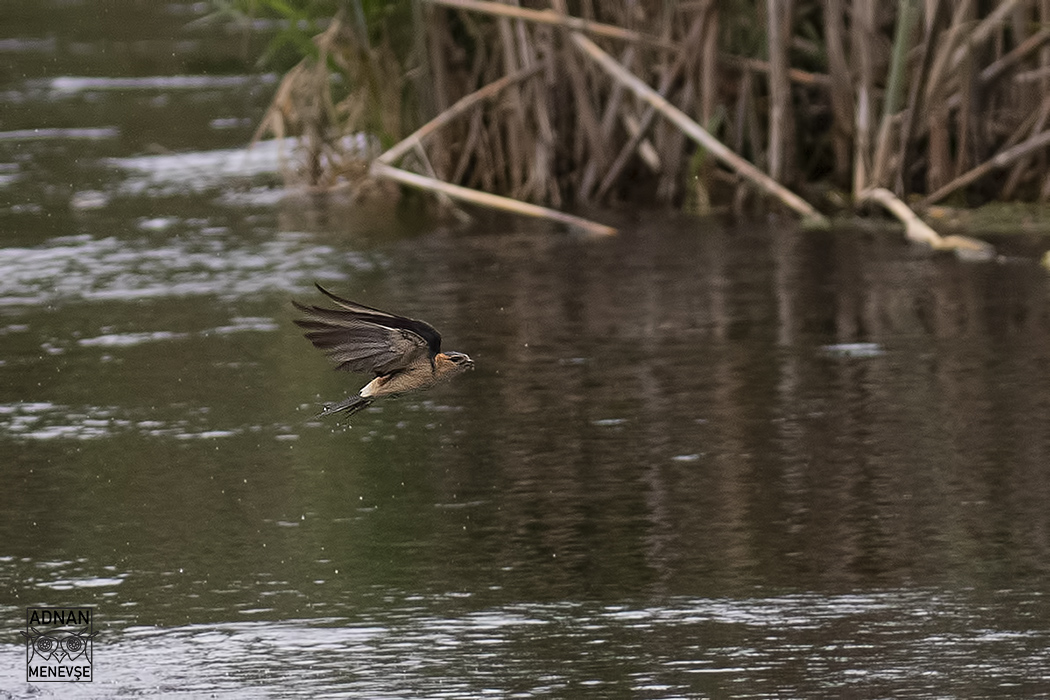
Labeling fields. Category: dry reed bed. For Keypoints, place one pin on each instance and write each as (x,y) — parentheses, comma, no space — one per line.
(597,101)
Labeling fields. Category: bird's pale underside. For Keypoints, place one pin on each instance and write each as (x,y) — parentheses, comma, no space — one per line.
(404,354)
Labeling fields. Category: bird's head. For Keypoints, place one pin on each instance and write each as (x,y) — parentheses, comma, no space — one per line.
(452,363)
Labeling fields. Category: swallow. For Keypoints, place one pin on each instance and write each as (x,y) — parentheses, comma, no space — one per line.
(404,354)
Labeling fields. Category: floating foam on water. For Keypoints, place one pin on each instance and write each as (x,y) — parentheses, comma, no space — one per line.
(854,349)
(230,123)
(73,584)
(157,223)
(196,171)
(70,85)
(199,170)
(88,199)
(245,323)
(86,268)
(126,339)
(608,422)
(43,421)
(83,133)
(28,45)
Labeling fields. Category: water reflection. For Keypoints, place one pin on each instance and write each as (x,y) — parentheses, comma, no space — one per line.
(695,401)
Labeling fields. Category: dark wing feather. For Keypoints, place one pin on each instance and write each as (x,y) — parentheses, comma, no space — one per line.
(366,313)
(362,339)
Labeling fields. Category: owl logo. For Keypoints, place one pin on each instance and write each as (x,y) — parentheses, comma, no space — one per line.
(57,646)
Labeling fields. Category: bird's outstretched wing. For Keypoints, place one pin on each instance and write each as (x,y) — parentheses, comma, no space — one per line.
(363,339)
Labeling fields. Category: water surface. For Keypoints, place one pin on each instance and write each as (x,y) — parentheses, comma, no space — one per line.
(701,458)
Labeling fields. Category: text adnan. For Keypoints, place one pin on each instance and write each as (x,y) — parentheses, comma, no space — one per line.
(43,616)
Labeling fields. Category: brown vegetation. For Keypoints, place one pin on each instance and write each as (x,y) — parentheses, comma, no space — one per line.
(921,99)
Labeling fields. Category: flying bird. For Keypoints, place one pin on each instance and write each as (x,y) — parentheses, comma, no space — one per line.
(404,354)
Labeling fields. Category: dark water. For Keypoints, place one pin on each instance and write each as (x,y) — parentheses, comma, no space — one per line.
(696,460)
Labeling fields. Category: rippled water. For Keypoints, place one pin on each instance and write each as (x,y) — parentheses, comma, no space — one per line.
(698,459)
(443,646)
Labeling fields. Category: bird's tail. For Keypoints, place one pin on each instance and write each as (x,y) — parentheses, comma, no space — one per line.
(351,405)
